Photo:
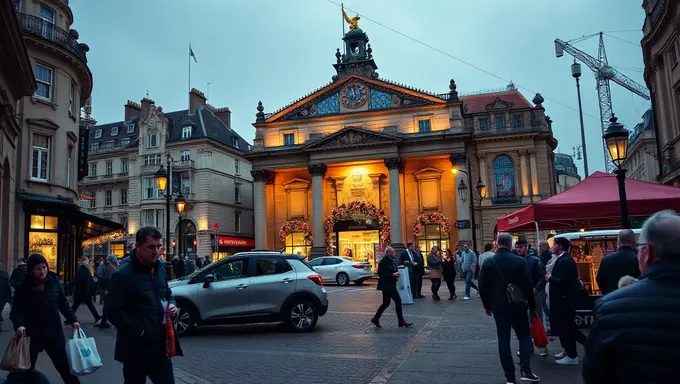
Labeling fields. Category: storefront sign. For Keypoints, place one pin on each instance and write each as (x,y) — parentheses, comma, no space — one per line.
(83,146)
(462,224)
(228,241)
(341,226)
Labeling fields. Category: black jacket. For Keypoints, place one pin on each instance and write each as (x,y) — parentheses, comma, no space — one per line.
(18,275)
(38,310)
(613,267)
(545,257)
(84,283)
(133,305)
(5,290)
(564,284)
(536,271)
(493,286)
(449,269)
(404,260)
(179,268)
(635,333)
(387,282)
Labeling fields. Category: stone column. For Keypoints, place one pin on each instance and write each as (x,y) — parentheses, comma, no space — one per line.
(534,173)
(318,247)
(459,160)
(259,200)
(523,170)
(490,189)
(394,166)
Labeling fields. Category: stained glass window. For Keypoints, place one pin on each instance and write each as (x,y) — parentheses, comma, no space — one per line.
(380,100)
(504,177)
(329,106)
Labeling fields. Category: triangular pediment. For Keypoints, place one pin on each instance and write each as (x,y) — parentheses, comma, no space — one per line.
(498,103)
(351,137)
(354,94)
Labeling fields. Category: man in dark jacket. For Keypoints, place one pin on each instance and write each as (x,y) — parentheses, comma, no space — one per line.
(635,330)
(564,289)
(83,289)
(18,274)
(623,262)
(388,274)
(138,304)
(409,260)
(419,271)
(498,272)
(178,267)
(536,272)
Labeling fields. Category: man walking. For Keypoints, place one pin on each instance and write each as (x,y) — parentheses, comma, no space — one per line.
(468,261)
(623,262)
(83,292)
(105,282)
(409,260)
(388,274)
(635,330)
(536,272)
(564,288)
(496,277)
(138,305)
(488,253)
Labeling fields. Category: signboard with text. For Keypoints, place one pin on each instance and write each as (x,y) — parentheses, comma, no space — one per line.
(229,241)
(83,147)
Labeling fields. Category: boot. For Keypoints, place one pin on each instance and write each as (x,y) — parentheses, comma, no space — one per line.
(405,324)
(376,322)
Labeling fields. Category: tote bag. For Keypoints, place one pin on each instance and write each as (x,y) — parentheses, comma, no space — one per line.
(17,356)
(83,357)
(404,286)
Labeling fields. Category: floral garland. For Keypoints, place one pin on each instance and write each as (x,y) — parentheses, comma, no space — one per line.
(431,218)
(357,210)
(295,226)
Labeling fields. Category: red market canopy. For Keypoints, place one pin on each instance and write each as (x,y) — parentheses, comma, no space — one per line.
(592,203)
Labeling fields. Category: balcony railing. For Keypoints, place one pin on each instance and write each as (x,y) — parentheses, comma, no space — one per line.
(107,148)
(183,164)
(35,26)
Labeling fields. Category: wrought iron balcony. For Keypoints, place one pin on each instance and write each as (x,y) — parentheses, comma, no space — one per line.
(37,27)
(183,164)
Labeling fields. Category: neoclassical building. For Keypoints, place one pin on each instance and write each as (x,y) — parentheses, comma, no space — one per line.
(364,162)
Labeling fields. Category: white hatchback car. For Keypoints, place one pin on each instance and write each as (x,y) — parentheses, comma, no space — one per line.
(341,269)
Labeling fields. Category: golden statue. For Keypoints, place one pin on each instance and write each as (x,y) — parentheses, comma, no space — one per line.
(353,22)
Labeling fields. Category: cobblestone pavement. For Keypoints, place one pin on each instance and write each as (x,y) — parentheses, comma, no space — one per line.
(450,342)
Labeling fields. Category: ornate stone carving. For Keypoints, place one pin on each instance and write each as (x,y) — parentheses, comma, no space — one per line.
(498,103)
(259,175)
(393,163)
(350,137)
(206,151)
(317,169)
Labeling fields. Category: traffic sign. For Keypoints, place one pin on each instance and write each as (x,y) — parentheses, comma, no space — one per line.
(216,227)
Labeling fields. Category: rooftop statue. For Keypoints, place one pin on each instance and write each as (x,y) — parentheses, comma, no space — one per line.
(353,22)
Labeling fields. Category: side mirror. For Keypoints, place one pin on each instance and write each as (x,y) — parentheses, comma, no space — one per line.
(207,280)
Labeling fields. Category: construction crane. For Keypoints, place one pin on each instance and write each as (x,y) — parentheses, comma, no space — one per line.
(603,74)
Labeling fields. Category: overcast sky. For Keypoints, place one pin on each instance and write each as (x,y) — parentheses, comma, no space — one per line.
(278,50)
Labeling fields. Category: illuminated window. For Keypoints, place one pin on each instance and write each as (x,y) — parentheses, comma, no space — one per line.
(118,249)
(296,244)
(433,235)
(44,222)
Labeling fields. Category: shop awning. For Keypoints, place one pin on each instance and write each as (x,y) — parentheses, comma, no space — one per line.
(592,203)
(93,226)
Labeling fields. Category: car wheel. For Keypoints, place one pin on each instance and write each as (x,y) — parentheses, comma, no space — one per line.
(359,282)
(301,316)
(184,323)
(342,278)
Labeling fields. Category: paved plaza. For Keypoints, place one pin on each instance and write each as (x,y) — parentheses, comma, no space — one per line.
(450,342)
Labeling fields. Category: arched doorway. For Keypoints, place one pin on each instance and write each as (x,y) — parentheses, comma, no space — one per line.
(186,235)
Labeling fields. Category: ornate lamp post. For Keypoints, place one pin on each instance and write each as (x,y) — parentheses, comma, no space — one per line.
(616,138)
(463,193)
(180,204)
(576,73)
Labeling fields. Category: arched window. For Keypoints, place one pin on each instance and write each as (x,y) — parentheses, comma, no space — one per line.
(297,245)
(433,234)
(504,178)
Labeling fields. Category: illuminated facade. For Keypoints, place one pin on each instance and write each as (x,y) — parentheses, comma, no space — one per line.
(364,162)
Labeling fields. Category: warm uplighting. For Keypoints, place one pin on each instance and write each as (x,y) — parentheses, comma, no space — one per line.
(616,137)
(161,177)
(180,203)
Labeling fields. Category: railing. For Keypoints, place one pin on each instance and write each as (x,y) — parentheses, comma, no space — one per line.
(183,164)
(38,27)
(107,148)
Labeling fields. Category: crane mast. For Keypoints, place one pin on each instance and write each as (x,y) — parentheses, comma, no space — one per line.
(603,74)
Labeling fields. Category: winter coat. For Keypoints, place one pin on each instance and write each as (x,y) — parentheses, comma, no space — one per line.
(386,281)
(449,269)
(623,262)
(18,275)
(499,271)
(84,283)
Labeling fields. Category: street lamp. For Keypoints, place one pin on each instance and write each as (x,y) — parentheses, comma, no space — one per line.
(576,73)
(616,138)
(463,193)
(180,204)
(162,176)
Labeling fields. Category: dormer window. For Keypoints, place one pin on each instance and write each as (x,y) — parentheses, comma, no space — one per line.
(288,139)
(186,132)
(114,131)
(130,128)
(153,140)
(234,142)
(98,134)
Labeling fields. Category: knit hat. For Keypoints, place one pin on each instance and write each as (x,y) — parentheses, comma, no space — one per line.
(35,260)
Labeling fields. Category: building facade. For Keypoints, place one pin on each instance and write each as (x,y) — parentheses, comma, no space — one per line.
(47,217)
(16,82)
(364,162)
(641,161)
(661,50)
(207,166)
(566,172)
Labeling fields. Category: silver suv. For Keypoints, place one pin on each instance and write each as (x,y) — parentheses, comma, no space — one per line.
(251,287)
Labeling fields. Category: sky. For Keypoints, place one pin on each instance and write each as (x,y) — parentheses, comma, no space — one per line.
(276,51)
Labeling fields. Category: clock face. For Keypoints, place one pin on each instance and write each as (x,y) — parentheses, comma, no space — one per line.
(354,95)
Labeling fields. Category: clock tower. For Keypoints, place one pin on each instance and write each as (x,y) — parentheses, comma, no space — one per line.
(358,56)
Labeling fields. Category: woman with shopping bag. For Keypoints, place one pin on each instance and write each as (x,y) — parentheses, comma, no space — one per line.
(35,313)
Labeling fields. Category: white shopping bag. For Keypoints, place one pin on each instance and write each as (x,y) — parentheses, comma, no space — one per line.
(404,287)
(82,354)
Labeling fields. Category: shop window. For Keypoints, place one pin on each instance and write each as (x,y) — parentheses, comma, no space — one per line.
(44,222)
(40,161)
(297,245)
(118,249)
(433,235)
(45,244)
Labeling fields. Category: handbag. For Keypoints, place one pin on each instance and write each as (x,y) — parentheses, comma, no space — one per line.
(538,332)
(514,293)
(170,349)
(17,356)
(82,354)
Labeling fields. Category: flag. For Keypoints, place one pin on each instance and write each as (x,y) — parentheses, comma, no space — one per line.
(191,54)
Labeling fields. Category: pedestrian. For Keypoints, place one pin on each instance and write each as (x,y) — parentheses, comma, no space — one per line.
(434,261)
(199,262)
(635,329)
(419,270)
(623,262)
(138,304)
(84,286)
(109,270)
(5,291)
(468,261)
(409,260)
(564,290)
(191,266)
(18,274)
(178,267)
(206,261)
(544,252)
(496,276)
(388,273)
(488,252)
(536,272)
(449,273)
(35,313)
(546,256)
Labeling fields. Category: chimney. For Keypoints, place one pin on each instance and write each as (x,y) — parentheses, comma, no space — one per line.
(146,105)
(224,114)
(196,99)
(132,109)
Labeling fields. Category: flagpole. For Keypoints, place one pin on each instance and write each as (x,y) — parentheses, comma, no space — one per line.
(342,5)
(189,93)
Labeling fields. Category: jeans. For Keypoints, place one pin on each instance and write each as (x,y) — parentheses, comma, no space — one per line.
(56,352)
(517,320)
(469,283)
(159,372)
(562,315)
(387,297)
(90,305)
